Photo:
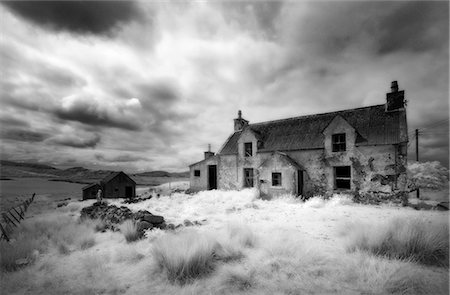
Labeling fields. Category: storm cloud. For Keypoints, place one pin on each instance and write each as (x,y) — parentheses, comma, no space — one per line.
(91,112)
(25,135)
(76,141)
(81,17)
(148,85)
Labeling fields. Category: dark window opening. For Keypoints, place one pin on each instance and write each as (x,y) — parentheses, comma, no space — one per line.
(338,141)
(196,172)
(342,177)
(248,150)
(116,189)
(248,177)
(276,179)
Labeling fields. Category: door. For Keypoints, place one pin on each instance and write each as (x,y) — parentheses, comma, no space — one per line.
(299,183)
(248,177)
(128,192)
(212,177)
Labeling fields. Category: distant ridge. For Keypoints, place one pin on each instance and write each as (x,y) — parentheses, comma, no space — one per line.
(10,169)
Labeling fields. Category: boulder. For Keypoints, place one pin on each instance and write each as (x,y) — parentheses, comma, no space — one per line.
(155,219)
(144,225)
(187,223)
(170,226)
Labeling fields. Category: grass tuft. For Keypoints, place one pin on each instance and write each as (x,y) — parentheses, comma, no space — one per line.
(410,239)
(129,230)
(185,256)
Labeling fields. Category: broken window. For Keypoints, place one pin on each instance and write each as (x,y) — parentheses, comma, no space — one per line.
(248,151)
(276,179)
(196,172)
(342,177)
(248,177)
(338,141)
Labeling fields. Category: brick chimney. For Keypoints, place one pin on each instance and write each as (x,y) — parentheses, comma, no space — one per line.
(395,100)
(239,122)
(209,154)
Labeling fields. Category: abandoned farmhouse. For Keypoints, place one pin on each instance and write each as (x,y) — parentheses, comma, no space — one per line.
(356,150)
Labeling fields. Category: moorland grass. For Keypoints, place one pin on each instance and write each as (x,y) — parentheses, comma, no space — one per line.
(410,239)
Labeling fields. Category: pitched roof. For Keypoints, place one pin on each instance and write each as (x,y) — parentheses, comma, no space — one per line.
(373,125)
(286,158)
(89,185)
(112,175)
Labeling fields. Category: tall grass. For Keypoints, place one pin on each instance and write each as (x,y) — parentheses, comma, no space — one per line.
(129,230)
(401,238)
(58,233)
(189,255)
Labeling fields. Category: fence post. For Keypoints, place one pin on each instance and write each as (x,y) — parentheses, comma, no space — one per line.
(4,233)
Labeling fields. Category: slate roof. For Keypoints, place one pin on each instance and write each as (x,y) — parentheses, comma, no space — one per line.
(112,175)
(89,185)
(373,125)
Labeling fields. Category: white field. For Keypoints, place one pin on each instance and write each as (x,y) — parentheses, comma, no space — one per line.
(295,248)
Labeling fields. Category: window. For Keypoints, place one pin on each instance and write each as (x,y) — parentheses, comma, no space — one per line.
(276,179)
(338,142)
(196,172)
(248,177)
(342,177)
(248,151)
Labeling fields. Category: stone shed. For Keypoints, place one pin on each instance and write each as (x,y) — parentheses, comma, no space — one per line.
(115,185)
(351,151)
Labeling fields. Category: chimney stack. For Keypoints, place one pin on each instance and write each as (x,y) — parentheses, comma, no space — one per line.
(239,122)
(209,154)
(394,86)
(395,100)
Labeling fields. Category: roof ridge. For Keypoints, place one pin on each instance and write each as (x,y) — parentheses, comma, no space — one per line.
(314,115)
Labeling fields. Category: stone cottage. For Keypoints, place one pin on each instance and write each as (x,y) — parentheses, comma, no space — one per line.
(353,151)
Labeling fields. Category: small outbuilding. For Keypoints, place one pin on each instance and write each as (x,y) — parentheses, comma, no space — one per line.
(115,185)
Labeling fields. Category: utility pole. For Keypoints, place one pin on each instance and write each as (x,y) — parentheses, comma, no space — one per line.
(417,158)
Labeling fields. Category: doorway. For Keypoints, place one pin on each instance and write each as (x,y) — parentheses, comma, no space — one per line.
(212,177)
(128,192)
(299,183)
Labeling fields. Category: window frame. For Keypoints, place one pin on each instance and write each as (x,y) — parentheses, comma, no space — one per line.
(338,142)
(197,173)
(280,180)
(248,146)
(250,178)
(342,178)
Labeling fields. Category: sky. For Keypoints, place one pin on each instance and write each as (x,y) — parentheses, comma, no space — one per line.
(141,86)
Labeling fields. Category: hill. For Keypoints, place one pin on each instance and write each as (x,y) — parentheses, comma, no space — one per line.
(10,169)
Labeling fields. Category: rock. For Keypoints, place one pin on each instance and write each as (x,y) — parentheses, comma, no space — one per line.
(22,261)
(140,214)
(178,226)
(170,226)
(155,219)
(62,204)
(161,225)
(144,225)
(187,223)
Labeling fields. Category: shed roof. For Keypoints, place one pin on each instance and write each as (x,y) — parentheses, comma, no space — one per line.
(373,125)
(113,175)
(90,185)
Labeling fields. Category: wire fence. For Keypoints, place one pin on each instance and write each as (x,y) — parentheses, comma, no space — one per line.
(12,218)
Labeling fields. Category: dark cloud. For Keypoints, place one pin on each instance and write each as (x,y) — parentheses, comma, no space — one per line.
(81,17)
(120,158)
(76,141)
(381,27)
(7,120)
(91,113)
(414,26)
(25,135)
